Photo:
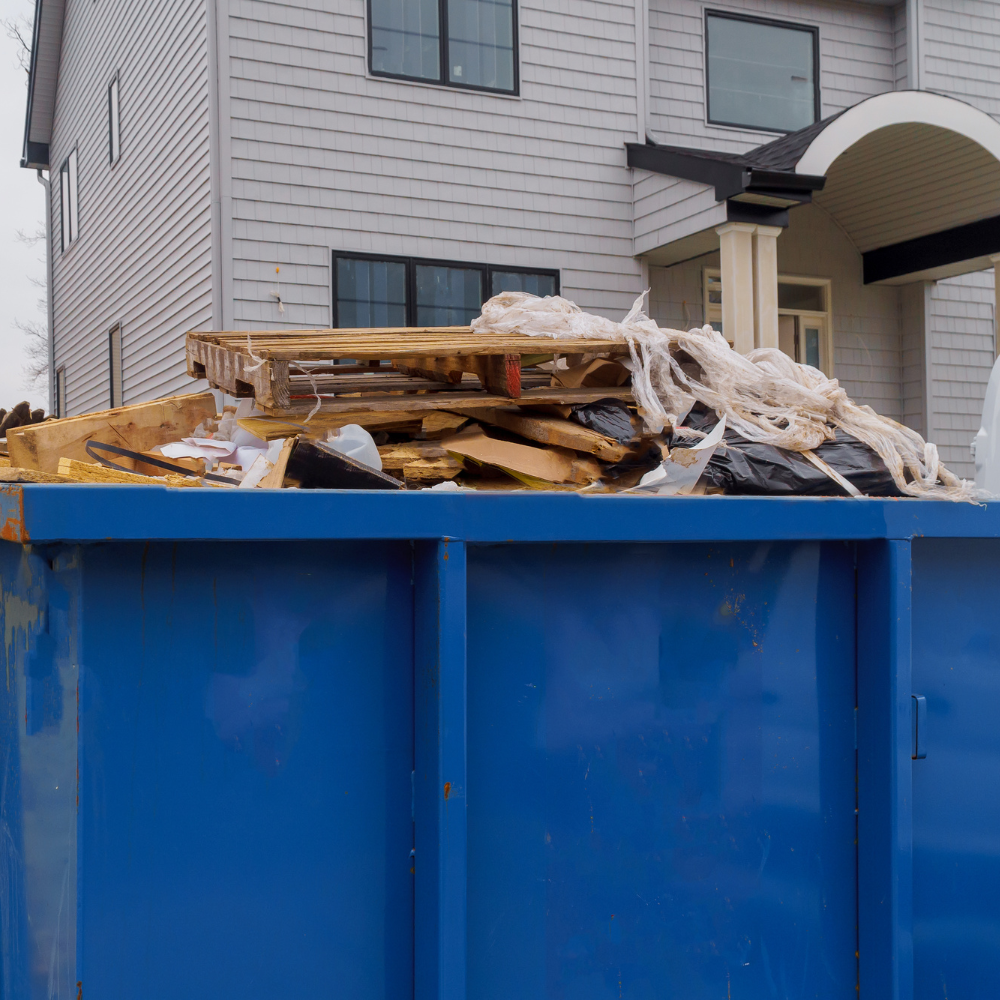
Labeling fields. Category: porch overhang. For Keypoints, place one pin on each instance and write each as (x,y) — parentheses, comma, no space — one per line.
(912,178)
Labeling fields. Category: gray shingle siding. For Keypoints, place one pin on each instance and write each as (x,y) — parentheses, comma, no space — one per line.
(143,256)
(961,332)
(325,157)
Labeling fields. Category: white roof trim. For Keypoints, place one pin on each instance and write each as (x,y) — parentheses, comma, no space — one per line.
(897,108)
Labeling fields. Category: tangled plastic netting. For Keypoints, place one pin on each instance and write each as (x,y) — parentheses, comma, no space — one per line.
(764,395)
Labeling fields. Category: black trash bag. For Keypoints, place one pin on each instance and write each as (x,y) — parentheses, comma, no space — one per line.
(745,468)
(610,417)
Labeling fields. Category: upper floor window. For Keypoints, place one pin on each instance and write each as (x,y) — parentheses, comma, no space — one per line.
(761,74)
(461,43)
(404,291)
(114,121)
(68,208)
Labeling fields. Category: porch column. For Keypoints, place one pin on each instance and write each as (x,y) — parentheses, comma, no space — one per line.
(995,261)
(736,245)
(765,279)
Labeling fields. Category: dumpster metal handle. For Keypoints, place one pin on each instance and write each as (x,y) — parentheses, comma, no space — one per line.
(919,724)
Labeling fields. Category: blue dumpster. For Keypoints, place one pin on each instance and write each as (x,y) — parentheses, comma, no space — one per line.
(300,744)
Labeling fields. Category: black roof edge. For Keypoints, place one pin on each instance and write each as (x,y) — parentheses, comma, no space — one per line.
(924,253)
(729,174)
(35,156)
(758,215)
(31,151)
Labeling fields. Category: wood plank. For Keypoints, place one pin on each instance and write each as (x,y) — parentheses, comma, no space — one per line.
(438,423)
(383,344)
(431,470)
(137,428)
(272,428)
(454,401)
(554,431)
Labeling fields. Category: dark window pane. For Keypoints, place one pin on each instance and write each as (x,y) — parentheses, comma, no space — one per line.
(448,296)
(812,346)
(406,38)
(808,298)
(370,293)
(760,75)
(481,43)
(515,281)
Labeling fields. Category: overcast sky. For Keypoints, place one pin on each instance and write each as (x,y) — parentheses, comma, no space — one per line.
(22,207)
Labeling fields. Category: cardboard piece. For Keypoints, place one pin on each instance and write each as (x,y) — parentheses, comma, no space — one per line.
(591,374)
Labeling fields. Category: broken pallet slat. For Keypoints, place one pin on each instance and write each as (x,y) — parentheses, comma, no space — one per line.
(446,401)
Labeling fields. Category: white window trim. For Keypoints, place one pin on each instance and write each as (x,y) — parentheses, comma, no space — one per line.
(713,310)
(69,197)
(114,120)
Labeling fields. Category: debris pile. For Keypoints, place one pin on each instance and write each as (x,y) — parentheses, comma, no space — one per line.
(537,394)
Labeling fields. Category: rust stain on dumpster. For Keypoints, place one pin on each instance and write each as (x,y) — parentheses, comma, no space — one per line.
(447,789)
(12,514)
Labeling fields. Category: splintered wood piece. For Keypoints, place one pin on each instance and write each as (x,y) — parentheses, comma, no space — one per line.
(431,470)
(556,431)
(275,477)
(137,428)
(88,472)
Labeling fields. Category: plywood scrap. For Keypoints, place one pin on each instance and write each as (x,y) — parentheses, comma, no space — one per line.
(89,472)
(138,428)
(441,423)
(555,431)
(395,457)
(526,462)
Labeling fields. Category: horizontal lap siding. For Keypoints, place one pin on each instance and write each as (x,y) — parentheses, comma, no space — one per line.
(961,59)
(962,355)
(857,60)
(326,158)
(143,256)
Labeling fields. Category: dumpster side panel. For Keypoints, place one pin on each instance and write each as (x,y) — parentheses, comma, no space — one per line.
(38,742)
(247,748)
(956,802)
(661,771)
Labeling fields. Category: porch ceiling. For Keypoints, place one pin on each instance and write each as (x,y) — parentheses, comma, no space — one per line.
(909,180)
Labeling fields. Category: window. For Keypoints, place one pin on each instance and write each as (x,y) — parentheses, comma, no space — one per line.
(460,43)
(406,291)
(68,201)
(115,363)
(114,122)
(761,74)
(61,392)
(804,317)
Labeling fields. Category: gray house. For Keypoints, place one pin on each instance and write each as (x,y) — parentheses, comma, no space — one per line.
(819,176)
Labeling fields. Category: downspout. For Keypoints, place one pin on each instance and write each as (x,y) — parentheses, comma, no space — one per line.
(914,44)
(48,293)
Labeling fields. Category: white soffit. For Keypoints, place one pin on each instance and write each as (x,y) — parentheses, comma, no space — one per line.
(905,181)
(898,108)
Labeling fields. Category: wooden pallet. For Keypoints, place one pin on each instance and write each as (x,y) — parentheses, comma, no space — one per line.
(297,364)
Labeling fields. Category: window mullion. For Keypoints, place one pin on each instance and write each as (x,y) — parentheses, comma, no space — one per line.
(444,49)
